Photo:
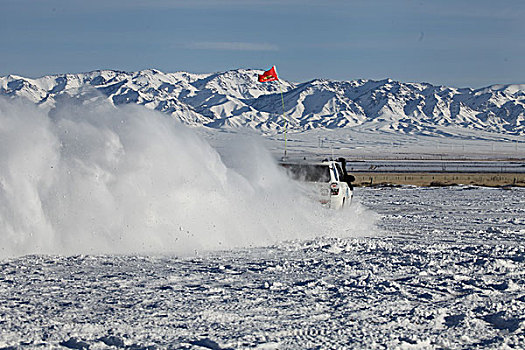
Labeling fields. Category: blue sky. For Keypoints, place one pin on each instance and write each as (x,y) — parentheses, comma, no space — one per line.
(451,42)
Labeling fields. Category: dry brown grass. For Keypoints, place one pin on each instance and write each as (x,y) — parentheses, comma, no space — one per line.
(440,179)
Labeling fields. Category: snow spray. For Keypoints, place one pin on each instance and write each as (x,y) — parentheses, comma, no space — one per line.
(90,178)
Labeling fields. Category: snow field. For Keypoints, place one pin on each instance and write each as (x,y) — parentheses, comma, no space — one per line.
(122,230)
(447,271)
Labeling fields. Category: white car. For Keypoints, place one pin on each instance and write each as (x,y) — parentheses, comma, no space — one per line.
(328,181)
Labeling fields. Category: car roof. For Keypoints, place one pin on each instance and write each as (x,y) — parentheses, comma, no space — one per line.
(308,162)
(304,163)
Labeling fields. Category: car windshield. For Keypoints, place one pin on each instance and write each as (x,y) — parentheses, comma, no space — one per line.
(308,172)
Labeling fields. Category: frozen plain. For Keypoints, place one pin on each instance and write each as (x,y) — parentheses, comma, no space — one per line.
(401,268)
(445,268)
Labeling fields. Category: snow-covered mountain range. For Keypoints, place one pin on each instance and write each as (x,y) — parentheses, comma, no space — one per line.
(235,99)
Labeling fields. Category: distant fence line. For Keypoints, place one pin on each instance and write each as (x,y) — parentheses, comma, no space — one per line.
(440,179)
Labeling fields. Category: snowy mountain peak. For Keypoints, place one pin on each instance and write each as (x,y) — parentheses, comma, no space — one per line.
(235,98)
(508,88)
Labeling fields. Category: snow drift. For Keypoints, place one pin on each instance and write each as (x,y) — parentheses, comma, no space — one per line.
(90,178)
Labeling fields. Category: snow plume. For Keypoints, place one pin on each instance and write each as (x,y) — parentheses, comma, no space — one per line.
(94,179)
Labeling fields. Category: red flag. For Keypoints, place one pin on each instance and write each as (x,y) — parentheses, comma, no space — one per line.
(269,75)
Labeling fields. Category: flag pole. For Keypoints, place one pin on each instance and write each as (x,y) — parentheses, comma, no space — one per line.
(284,113)
(271,75)
(285,120)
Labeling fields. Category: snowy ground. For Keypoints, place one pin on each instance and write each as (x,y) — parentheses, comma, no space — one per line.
(446,269)
(365,145)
